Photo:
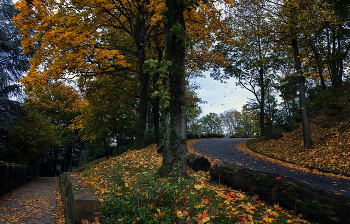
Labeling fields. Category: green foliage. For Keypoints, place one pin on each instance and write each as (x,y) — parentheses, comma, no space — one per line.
(109,110)
(153,67)
(247,123)
(32,138)
(332,102)
(141,202)
(165,10)
(211,123)
(178,31)
(288,88)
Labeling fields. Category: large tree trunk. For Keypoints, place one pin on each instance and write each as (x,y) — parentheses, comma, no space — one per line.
(302,98)
(336,64)
(174,156)
(143,105)
(313,203)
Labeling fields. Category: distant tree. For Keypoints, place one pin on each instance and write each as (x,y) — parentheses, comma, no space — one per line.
(32,138)
(247,123)
(58,104)
(229,121)
(211,123)
(193,110)
(108,111)
(250,52)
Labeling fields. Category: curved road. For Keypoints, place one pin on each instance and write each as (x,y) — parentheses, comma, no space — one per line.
(226,150)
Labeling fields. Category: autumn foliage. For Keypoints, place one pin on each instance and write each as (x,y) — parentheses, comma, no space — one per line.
(329,152)
(130,193)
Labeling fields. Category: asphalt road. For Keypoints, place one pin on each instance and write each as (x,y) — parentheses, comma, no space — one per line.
(226,150)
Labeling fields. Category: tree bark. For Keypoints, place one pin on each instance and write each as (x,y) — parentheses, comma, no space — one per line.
(319,66)
(302,98)
(262,102)
(313,203)
(336,64)
(143,105)
(174,156)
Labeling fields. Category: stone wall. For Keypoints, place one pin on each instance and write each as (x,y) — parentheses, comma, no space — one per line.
(78,200)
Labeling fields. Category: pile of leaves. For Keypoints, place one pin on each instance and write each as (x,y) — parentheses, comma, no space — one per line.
(330,150)
(130,192)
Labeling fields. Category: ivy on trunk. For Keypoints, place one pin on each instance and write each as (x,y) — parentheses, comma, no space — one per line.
(175,148)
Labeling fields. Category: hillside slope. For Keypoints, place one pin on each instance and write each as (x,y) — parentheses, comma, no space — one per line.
(329,152)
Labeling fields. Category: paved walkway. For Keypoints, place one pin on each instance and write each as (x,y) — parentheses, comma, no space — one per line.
(226,150)
(33,203)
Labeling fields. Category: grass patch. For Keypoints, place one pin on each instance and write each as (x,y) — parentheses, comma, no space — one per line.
(130,192)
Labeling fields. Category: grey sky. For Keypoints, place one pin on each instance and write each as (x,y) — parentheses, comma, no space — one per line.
(219,96)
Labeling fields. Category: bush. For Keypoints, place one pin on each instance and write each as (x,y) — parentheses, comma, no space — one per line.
(192,136)
(333,102)
(212,135)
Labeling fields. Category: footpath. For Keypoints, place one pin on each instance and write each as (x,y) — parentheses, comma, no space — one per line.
(33,203)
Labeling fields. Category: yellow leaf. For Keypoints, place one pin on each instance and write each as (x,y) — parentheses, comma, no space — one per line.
(198,186)
(206,219)
(179,214)
(199,206)
(267,219)
(273,213)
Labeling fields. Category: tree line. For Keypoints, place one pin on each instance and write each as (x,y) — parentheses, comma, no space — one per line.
(117,71)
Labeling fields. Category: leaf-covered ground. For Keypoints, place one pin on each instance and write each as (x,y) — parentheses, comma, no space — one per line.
(36,202)
(330,150)
(130,192)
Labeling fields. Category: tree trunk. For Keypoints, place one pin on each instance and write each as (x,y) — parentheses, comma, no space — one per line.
(336,65)
(319,67)
(262,102)
(156,120)
(313,203)
(143,105)
(302,98)
(105,145)
(175,149)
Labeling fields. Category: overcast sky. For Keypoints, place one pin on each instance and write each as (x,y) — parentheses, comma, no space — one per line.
(219,96)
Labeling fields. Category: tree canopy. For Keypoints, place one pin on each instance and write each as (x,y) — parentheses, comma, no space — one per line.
(12,66)
(116,71)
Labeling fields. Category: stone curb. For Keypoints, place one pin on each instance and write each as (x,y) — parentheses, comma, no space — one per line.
(78,200)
